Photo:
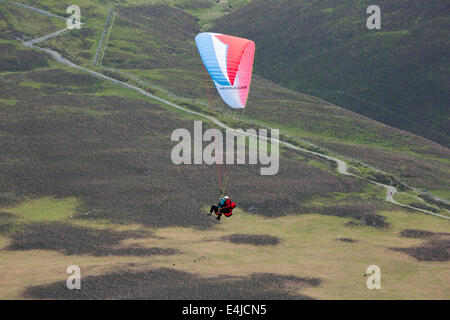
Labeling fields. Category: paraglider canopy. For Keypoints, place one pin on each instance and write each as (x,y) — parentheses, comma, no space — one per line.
(229,61)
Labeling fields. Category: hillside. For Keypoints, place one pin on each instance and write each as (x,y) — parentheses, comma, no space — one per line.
(398,75)
(86,175)
(153,59)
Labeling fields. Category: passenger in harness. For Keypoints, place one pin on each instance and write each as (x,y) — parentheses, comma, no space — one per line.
(224,207)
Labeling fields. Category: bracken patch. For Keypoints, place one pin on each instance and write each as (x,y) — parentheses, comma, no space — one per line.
(436,248)
(164,283)
(70,240)
(254,239)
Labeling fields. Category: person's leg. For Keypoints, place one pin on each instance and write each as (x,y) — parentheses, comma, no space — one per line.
(219,214)
(213,208)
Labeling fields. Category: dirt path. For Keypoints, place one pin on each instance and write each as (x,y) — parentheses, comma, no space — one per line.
(30,43)
(391,191)
(341,165)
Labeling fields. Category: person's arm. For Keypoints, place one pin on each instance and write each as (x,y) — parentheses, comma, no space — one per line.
(226,203)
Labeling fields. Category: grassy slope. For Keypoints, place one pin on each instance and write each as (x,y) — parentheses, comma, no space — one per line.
(152,58)
(47,105)
(308,248)
(397,75)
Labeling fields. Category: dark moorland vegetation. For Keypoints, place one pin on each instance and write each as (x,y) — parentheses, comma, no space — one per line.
(72,240)
(254,239)
(435,248)
(162,52)
(63,137)
(164,283)
(398,75)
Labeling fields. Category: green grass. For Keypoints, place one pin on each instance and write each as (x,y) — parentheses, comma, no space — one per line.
(29,23)
(31,84)
(211,9)
(411,199)
(318,164)
(389,33)
(9,102)
(65,109)
(328,10)
(44,209)
(406,198)
(443,194)
(370,192)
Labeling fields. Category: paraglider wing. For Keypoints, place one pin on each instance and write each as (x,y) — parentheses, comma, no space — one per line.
(229,61)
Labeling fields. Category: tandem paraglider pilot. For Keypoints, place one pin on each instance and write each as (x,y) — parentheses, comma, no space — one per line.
(225,207)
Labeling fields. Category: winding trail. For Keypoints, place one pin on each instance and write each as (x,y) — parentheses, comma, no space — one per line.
(342,167)
(30,43)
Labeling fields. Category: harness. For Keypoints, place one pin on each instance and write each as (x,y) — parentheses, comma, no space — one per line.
(228,207)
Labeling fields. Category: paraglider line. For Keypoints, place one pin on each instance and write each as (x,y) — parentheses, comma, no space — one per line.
(219,166)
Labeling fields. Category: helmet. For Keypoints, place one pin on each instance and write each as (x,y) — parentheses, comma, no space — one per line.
(226,197)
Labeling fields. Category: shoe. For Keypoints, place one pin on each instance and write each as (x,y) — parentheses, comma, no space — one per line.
(218,218)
